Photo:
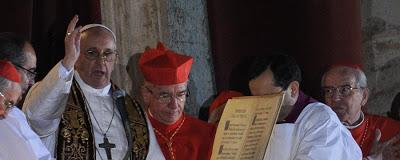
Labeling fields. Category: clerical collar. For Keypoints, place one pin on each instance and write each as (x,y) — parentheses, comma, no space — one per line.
(165,128)
(356,125)
(99,92)
(302,101)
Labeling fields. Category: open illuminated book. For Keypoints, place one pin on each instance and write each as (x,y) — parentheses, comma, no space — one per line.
(245,127)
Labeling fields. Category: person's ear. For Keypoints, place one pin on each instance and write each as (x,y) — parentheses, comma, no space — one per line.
(146,95)
(365,96)
(2,109)
(250,86)
(294,89)
(116,59)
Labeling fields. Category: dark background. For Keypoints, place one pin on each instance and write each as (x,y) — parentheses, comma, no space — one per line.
(317,33)
(44,23)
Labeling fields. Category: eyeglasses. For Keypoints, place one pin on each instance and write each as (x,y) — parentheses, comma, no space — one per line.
(30,73)
(6,104)
(108,56)
(343,91)
(167,98)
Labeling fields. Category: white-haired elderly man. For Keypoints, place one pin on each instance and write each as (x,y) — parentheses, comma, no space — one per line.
(17,140)
(346,92)
(78,111)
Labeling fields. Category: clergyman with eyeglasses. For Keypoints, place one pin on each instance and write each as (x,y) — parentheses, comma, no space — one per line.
(16,49)
(306,128)
(345,90)
(76,109)
(180,136)
(18,140)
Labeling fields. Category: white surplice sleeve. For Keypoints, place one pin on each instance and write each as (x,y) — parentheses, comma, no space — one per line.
(322,136)
(155,152)
(19,123)
(46,100)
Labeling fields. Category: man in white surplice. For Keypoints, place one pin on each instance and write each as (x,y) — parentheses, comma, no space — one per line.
(306,129)
(17,140)
(82,78)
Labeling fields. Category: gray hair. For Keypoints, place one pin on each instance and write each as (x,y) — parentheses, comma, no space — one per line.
(361,79)
(4,84)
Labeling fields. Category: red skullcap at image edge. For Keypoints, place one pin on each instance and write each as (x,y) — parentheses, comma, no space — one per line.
(8,71)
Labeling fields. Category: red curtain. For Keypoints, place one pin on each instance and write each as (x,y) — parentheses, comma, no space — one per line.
(44,22)
(316,33)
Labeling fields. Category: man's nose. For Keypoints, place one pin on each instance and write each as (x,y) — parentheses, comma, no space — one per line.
(336,96)
(173,104)
(100,60)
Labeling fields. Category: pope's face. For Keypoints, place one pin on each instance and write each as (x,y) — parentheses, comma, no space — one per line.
(166,103)
(92,65)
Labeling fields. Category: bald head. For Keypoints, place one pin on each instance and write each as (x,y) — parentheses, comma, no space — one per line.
(358,74)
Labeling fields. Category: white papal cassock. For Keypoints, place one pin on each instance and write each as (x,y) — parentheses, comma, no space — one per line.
(18,141)
(317,134)
(44,108)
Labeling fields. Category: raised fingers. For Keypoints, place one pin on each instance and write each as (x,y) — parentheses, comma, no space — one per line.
(72,43)
(72,25)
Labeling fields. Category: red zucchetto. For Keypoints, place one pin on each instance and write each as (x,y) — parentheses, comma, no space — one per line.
(161,66)
(8,71)
(222,98)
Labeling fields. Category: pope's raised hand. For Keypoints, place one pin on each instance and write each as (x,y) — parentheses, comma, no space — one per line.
(72,44)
